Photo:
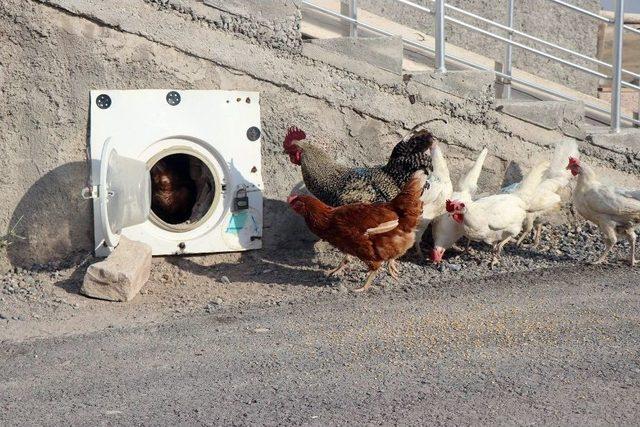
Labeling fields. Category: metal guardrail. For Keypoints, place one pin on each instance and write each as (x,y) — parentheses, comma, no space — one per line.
(349,13)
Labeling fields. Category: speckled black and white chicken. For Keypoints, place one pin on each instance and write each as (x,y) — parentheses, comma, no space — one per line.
(337,185)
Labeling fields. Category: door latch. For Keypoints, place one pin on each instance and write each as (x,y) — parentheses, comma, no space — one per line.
(241,200)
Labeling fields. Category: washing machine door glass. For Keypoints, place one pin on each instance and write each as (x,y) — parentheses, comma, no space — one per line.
(124,193)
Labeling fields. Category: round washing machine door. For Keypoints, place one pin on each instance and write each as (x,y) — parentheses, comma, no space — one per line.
(124,193)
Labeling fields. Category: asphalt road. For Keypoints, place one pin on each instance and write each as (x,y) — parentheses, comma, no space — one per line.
(551,347)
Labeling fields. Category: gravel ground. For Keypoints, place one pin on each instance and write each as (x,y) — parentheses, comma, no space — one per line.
(555,347)
(31,300)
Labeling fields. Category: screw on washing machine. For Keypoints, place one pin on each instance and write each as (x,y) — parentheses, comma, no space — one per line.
(253,133)
(103,101)
(173,98)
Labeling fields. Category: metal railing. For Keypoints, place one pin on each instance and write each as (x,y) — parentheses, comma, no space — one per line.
(349,14)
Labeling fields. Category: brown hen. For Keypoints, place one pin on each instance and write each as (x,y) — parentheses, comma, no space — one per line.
(173,193)
(374,233)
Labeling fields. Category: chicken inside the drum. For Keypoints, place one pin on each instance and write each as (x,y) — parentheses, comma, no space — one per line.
(182,189)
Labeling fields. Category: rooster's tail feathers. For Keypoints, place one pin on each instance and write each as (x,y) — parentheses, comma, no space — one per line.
(439,162)
(469,182)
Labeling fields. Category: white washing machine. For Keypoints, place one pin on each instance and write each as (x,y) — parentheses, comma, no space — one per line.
(179,170)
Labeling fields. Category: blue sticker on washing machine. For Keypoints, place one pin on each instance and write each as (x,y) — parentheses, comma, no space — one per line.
(237,222)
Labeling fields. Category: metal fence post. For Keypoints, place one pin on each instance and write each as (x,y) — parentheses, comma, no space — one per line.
(617,67)
(440,65)
(508,55)
(350,8)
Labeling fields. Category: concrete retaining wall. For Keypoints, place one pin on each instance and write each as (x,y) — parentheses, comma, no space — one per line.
(52,52)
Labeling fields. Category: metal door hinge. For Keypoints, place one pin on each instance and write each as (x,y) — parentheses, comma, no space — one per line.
(90,192)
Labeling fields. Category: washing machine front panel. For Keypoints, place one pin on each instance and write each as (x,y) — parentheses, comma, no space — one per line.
(221,129)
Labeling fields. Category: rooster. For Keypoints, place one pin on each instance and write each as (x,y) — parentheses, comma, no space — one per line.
(338,185)
(545,197)
(439,190)
(446,232)
(497,219)
(374,233)
(616,211)
(173,195)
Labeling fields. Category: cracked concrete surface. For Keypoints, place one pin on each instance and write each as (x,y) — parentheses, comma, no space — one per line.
(54,51)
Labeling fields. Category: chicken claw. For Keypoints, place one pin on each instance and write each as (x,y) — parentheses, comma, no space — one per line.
(367,284)
(393,269)
(605,254)
(494,261)
(340,267)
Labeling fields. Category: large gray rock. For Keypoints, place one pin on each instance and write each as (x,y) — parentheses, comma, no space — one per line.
(121,276)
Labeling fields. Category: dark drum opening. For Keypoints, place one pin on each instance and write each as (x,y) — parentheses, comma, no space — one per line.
(182,190)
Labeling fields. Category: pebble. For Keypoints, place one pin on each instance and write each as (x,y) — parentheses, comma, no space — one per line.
(455,267)
(225,280)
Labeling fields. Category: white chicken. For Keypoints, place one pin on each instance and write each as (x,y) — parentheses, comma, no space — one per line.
(446,232)
(439,189)
(546,198)
(497,219)
(616,211)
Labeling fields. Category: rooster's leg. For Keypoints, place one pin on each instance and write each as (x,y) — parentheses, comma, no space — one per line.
(498,251)
(631,236)
(340,267)
(610,239)
(604,254)
(367,284)
(528,226)
(537,235)
(393,269)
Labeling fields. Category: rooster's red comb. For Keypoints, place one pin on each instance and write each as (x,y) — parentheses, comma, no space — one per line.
(293,134)
(450,206)
(573,161)
(454,205)
(291,198)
